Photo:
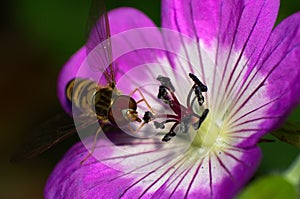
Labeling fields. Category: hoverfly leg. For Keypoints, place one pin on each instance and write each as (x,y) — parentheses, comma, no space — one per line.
(130,129)
(135,131)
(93,146)
(143,98)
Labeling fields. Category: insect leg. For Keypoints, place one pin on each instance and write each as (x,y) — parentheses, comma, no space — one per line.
(143,98)
(94,144)
(135,131)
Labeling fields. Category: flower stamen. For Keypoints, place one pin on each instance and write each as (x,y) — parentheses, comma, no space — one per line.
(184,115)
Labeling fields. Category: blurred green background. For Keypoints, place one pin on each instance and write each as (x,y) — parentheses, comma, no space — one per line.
(37,37)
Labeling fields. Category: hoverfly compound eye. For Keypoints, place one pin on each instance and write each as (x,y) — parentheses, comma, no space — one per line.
(123,110)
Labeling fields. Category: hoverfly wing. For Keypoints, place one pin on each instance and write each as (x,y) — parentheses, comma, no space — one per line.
(99,41)
(47,135)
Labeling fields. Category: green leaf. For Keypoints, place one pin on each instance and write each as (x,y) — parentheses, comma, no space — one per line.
(275,187)
(289,132)
(292,174)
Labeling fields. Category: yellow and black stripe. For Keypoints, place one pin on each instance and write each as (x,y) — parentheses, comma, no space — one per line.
(88,96)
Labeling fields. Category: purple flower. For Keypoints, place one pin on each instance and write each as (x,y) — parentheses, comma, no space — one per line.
(251,72)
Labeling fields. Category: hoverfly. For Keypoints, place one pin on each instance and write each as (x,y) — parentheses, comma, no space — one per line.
(104,102)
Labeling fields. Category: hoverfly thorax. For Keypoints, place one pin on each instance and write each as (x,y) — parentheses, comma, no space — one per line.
(103,99)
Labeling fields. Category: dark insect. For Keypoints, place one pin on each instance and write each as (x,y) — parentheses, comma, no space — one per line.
(183,114)
(91,99)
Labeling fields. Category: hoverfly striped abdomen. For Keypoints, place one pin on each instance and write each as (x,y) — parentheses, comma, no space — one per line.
(88,97)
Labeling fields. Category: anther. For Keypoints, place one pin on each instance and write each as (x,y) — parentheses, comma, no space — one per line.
(168,136)
(199,95)
(148,116)
(198,82)
(159,125)
(197,125)
(163,94)
(165,81)
(183,115)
